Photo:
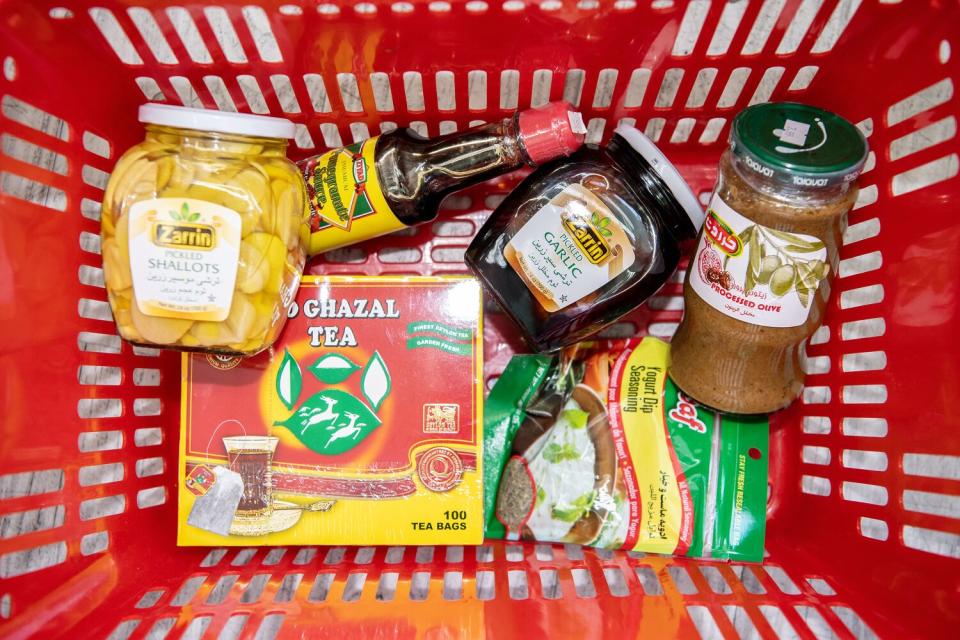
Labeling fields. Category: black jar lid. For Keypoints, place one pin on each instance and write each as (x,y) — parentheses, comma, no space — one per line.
(665,170)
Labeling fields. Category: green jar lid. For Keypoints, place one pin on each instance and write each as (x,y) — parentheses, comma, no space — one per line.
(804,145)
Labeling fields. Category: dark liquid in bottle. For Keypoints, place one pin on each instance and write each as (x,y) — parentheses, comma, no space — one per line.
(254,468)
(418,173)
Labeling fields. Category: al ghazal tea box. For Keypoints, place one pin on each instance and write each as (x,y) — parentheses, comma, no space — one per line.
(362,426)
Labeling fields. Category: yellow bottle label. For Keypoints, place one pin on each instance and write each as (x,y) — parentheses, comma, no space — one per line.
(345,199)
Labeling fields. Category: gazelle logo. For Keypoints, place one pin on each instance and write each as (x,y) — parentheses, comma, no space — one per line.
(588,238)
(185,236)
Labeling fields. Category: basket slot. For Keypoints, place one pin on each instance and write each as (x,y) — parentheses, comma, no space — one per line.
(152,35)
(225,34)
(94,543)
(835,26)
(115,36)
(741,621)
(939,543)
(727,27)
(189,35)
(31,521)
(186,92)
(734,86)
(926,174)
(150,89)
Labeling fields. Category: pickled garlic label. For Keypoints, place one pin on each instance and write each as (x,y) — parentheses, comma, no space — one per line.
(570,248)
(184,255)
(754,273)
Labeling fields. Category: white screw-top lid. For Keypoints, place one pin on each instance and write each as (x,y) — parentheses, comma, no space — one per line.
(665,169)
(220,121)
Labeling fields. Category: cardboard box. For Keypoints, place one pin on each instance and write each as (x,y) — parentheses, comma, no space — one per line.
(362,426)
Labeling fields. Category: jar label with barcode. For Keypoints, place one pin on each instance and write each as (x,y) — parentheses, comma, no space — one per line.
(183,257)
(569,248)
(754,273)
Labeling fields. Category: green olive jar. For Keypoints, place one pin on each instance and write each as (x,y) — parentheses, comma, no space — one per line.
(758,285)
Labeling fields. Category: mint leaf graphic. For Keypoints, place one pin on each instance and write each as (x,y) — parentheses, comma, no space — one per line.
(556,452)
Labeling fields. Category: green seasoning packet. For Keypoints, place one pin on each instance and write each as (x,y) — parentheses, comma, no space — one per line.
(502,413)
(643,467)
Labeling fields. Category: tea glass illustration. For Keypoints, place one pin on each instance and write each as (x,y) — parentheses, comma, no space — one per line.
(251,457)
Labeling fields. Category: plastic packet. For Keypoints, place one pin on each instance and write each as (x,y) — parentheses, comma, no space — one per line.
(596,446)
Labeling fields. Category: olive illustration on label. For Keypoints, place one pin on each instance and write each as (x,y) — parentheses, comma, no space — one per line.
(779,260)
(781,280)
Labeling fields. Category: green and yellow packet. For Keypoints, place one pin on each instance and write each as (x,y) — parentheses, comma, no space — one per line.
(597,446)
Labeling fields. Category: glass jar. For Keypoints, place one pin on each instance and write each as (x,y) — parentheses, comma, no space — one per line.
(584,240)
(759,282)
(203,231)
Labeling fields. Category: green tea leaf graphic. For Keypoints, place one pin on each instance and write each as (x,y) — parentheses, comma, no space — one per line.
(604,222)
(606,233)
(331,422)
(194,217)
(333,368)
(781,281)
(375,381)
(541,495)
(184,211)
(289,380)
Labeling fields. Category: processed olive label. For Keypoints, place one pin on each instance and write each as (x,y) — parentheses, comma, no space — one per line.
(345,199)
(754,273)
(570,248)
(187,251)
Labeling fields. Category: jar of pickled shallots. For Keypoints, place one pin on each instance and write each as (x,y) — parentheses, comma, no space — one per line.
(204,232)
(759,282)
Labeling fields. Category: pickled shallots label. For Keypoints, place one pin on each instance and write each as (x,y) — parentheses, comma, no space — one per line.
(754,273)
(569,248)
(186,257)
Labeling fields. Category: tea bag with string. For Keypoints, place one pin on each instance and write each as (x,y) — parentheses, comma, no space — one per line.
(214,509)
(218,490)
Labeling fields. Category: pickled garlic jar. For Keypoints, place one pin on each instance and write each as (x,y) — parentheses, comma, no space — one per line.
(203,231)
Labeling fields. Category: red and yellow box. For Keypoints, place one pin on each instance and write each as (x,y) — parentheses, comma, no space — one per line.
(362,426)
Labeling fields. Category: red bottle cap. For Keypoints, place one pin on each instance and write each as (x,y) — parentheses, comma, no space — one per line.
(551,131)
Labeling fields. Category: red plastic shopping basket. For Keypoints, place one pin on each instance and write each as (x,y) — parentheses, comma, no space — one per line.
(864,533)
